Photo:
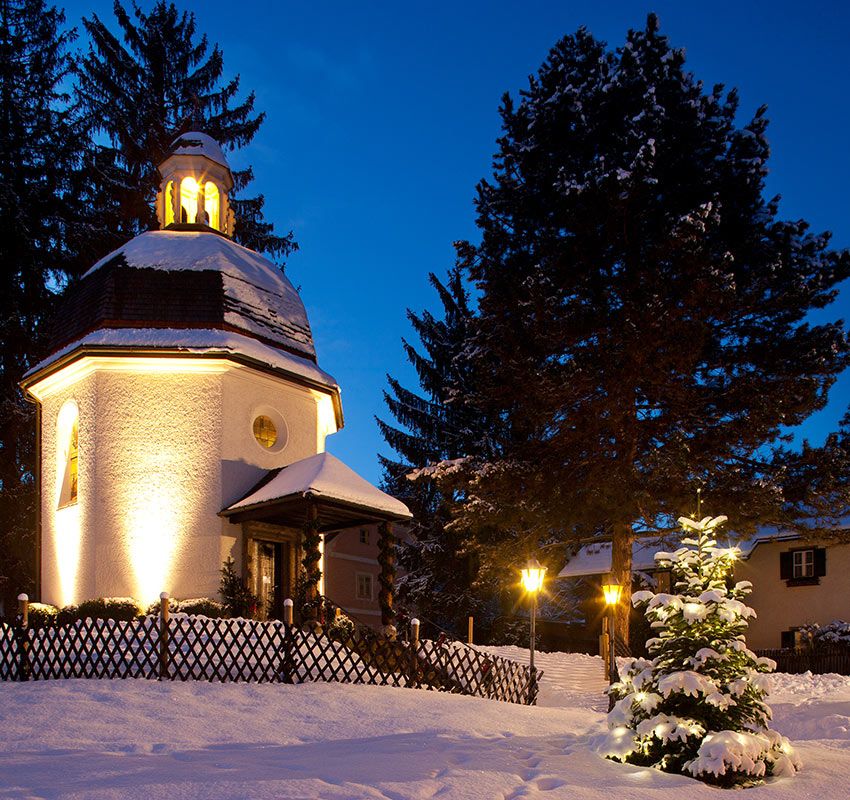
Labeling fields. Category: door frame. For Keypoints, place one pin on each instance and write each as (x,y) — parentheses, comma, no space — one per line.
(290,557)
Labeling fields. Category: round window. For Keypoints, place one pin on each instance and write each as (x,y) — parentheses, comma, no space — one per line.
(265,431)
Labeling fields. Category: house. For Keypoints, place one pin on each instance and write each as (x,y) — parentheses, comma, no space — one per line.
(183,416)
(797,580)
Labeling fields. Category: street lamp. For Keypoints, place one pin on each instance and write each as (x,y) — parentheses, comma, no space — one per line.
(612,592)
(532,581)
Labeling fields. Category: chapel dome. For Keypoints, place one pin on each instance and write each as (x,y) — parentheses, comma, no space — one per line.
(181,280)
(195,143)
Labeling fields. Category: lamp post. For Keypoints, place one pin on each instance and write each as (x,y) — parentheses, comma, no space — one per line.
(612,591)
(532,582)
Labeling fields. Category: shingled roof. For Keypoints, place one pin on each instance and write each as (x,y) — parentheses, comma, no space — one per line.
(186,279)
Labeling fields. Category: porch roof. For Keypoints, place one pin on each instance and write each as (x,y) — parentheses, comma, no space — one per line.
(343,498)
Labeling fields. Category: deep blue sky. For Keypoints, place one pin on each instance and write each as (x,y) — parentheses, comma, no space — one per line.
(382,117)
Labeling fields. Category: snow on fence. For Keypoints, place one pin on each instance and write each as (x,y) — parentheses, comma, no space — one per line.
(818,660)
(181,647)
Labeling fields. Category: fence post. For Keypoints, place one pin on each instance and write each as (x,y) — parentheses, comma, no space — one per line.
(23,638)
(414,652)
(469,631)
(163,636)
(288,666)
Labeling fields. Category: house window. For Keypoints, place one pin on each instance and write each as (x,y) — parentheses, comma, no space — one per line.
(363,586)
(212,203)
(68,455)
(803,564)
(169,203)
(265,431)
(364,536)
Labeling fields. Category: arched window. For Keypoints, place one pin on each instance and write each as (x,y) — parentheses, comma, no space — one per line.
(169,202)
(212,202)
(189,199)
(68,453)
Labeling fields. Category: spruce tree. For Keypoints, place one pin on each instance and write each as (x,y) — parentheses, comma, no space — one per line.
(697,705)
(41,220)
(642,323)
(161,81)
(433,426)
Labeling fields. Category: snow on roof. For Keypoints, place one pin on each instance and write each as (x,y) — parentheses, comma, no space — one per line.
(258,296)
(199,341)
(324,476)
(196,143)
(595,558)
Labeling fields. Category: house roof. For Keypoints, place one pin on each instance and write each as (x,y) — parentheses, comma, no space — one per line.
(594,558)
(323,478)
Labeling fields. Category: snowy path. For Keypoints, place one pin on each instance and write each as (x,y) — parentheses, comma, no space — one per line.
(141,740)
(567,679)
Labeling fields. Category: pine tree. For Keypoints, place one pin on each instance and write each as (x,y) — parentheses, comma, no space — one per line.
(642,323)
(441,565)
(41,218)
(141,94)
(697,706)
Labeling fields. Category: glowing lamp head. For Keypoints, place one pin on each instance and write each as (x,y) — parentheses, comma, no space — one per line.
(532,576)
(611,591)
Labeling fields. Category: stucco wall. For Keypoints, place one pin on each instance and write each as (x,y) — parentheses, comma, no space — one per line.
(158,438)
(294,410)
(160,454)
(66,555)
(781,607)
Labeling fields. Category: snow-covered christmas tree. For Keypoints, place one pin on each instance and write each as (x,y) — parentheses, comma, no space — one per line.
(697,706)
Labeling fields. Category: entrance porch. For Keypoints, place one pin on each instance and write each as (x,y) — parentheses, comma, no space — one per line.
(284,519)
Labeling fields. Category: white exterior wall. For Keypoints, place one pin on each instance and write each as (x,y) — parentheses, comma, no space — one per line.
(161,452)
(297,413)
(65,556)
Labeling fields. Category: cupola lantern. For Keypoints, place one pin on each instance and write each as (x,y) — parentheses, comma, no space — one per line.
(196,180)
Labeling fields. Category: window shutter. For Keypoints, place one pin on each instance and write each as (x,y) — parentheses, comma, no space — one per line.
(786,570)
(820,562)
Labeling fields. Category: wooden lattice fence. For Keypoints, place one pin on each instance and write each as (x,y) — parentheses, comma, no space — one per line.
(198,648)
(818,660)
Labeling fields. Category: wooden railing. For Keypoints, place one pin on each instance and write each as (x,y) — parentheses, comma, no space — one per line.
(819,659)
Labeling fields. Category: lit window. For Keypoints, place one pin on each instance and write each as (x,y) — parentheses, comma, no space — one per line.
(211,204)
(189,200)
(169,203)
(265,431)
(364,536)
(68,494)
(363,586)
(803,564)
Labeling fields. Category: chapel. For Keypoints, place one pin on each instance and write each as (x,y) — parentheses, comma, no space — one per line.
(183,417)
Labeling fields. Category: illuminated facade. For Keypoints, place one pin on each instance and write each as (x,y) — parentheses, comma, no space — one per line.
(182,377)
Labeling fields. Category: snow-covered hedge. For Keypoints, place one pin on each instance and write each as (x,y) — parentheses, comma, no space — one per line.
(836,632)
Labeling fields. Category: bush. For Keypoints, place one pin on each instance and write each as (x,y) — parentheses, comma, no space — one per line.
(42,614)
(122,609)
(833,633)
(196,607)
(237,598)
(341,628)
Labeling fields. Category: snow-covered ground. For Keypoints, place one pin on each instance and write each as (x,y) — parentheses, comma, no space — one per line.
(141,739)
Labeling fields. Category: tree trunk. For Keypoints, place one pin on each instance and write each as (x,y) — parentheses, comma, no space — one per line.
(621,572)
